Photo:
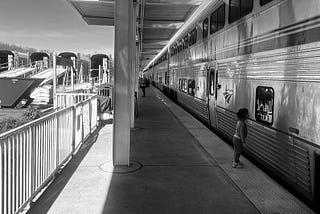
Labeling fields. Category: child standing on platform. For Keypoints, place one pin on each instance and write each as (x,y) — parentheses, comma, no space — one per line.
(239,138)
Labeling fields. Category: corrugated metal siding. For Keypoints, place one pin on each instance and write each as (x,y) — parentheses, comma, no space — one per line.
(226,122)
(286,155)
(194,105)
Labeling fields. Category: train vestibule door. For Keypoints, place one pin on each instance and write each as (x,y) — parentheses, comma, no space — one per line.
(213,86)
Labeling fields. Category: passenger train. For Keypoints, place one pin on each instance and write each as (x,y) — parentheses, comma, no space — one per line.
(263,55)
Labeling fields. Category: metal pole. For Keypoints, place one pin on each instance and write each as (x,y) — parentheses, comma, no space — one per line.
(72,79)
(54,80)
(99,76)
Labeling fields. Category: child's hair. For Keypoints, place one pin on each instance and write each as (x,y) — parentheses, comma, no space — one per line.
(242,113)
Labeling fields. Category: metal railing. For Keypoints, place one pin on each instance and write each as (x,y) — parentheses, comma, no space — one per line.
(32,154)
(106,91)
(64,100)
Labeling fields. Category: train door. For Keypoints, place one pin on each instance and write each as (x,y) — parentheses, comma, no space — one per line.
(212,95)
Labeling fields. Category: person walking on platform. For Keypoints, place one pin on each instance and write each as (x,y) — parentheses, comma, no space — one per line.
(239,138)
(143,85)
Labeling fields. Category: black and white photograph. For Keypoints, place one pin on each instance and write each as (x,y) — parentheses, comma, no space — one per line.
(159,106)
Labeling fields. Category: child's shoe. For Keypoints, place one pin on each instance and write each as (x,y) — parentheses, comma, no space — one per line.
(234,164)
(237,165)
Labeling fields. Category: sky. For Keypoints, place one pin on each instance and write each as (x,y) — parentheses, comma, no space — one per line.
(51,25)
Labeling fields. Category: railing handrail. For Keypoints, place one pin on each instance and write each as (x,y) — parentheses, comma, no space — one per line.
(39,120)
(34,122)
(74,94)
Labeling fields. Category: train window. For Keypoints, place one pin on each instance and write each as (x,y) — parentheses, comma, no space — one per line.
(191,86)
(184,85)
(264,105)
(213,22)
(217,19)
(263,2)
(193,37)
(234,10)
(246,7)
(221,16)
(185,42)
(166,78)
(239,8)
(180,84)
(205,28)
(180,46)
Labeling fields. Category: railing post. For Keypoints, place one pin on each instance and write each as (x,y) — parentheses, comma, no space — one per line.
(6,171)
(2,174)
(33,161)
(74,128)
(82,127)
(29,161)
(54,80)
(90,114)
(99,76)
(56,140)
(72,79)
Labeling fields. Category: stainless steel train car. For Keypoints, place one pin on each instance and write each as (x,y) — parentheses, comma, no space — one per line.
(263,55)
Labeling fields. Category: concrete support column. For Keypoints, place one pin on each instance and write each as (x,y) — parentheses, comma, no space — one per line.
(133,61)
(122,82)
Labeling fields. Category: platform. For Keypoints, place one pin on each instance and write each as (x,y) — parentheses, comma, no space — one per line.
(184,168)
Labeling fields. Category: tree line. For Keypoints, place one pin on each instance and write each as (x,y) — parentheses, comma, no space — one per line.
(12,47)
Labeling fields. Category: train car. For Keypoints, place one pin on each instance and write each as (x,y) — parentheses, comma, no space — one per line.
(97,60)
(12,59)
(81,64)
(262,55)
(40,58)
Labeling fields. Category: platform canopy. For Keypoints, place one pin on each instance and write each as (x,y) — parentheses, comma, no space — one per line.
(158,20)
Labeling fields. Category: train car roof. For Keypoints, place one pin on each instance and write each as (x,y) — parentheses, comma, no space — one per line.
(6,52)
(38,56)
(68,54)
(39,53)
(204,8)
(99,55)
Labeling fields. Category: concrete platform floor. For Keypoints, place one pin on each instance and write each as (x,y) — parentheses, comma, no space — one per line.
(183,170)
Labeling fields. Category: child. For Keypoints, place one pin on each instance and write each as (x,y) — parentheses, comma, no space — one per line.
(239,138)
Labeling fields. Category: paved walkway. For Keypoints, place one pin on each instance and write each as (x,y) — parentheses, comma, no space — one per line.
(184,170)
